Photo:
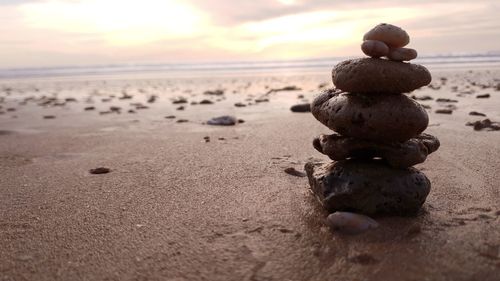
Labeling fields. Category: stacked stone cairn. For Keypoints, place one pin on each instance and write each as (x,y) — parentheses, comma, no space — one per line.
(378,131)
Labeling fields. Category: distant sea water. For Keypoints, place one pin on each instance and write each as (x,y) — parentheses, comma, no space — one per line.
(244,68)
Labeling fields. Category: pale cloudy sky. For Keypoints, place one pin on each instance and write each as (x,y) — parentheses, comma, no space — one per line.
(82,32)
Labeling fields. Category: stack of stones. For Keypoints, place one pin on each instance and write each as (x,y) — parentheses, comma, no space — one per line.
(378,131)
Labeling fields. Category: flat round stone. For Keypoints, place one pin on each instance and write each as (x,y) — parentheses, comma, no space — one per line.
(396,154)
(402,54)
(372,75)
(382,118)
(368,187)
(391,35)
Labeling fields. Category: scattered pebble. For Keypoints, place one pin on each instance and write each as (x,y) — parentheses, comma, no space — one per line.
(484,124)
(445,100)
(182,121)
(444,111)
(152,99)
(350,223)
(140,106)
(179,100)
(262,100)
(207,139)
(484,96)
(89,108)
(49,117)
(206,102)
(100,170)
(292,171)
(239,104)
(475,113)
(214,93)
(170,117)
(180,108)
(225,120)
(304,107)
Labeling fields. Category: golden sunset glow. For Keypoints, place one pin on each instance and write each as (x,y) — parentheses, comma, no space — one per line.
(105,31)
(121,22)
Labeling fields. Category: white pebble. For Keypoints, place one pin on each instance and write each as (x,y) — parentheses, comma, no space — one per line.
(350,223)
(391,35)
(402,54)
(374,48)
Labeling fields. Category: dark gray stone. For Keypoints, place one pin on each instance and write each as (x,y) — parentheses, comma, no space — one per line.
(384,118)
(304,107)
(368,186)
(397,154)
(371,75)
(225,120)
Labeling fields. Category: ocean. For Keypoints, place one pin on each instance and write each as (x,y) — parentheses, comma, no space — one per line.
(242,68)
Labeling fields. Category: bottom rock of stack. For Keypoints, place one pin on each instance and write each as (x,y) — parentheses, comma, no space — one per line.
(368,186)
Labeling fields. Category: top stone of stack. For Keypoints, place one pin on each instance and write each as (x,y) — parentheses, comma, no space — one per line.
(382,75)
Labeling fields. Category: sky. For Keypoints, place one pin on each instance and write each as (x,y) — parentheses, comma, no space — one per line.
(37,33)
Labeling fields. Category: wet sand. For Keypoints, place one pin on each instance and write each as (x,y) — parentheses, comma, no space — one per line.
(175,207)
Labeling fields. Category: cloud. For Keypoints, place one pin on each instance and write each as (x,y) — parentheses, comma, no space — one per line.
(112,31)
(228,12)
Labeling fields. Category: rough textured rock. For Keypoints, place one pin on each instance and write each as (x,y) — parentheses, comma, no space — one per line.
(368,186)
(391,35)
(384,118)
(374,48)
(396,154)
(371,75)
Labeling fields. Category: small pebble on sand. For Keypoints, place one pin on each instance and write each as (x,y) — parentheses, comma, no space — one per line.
(475,113)
(292,171)
(304,107)
(100,170)
(350,223)
(443,111)
(483,96)
(206,102)
(225,120)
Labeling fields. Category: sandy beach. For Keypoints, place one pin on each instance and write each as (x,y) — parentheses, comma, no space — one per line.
(190,201)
